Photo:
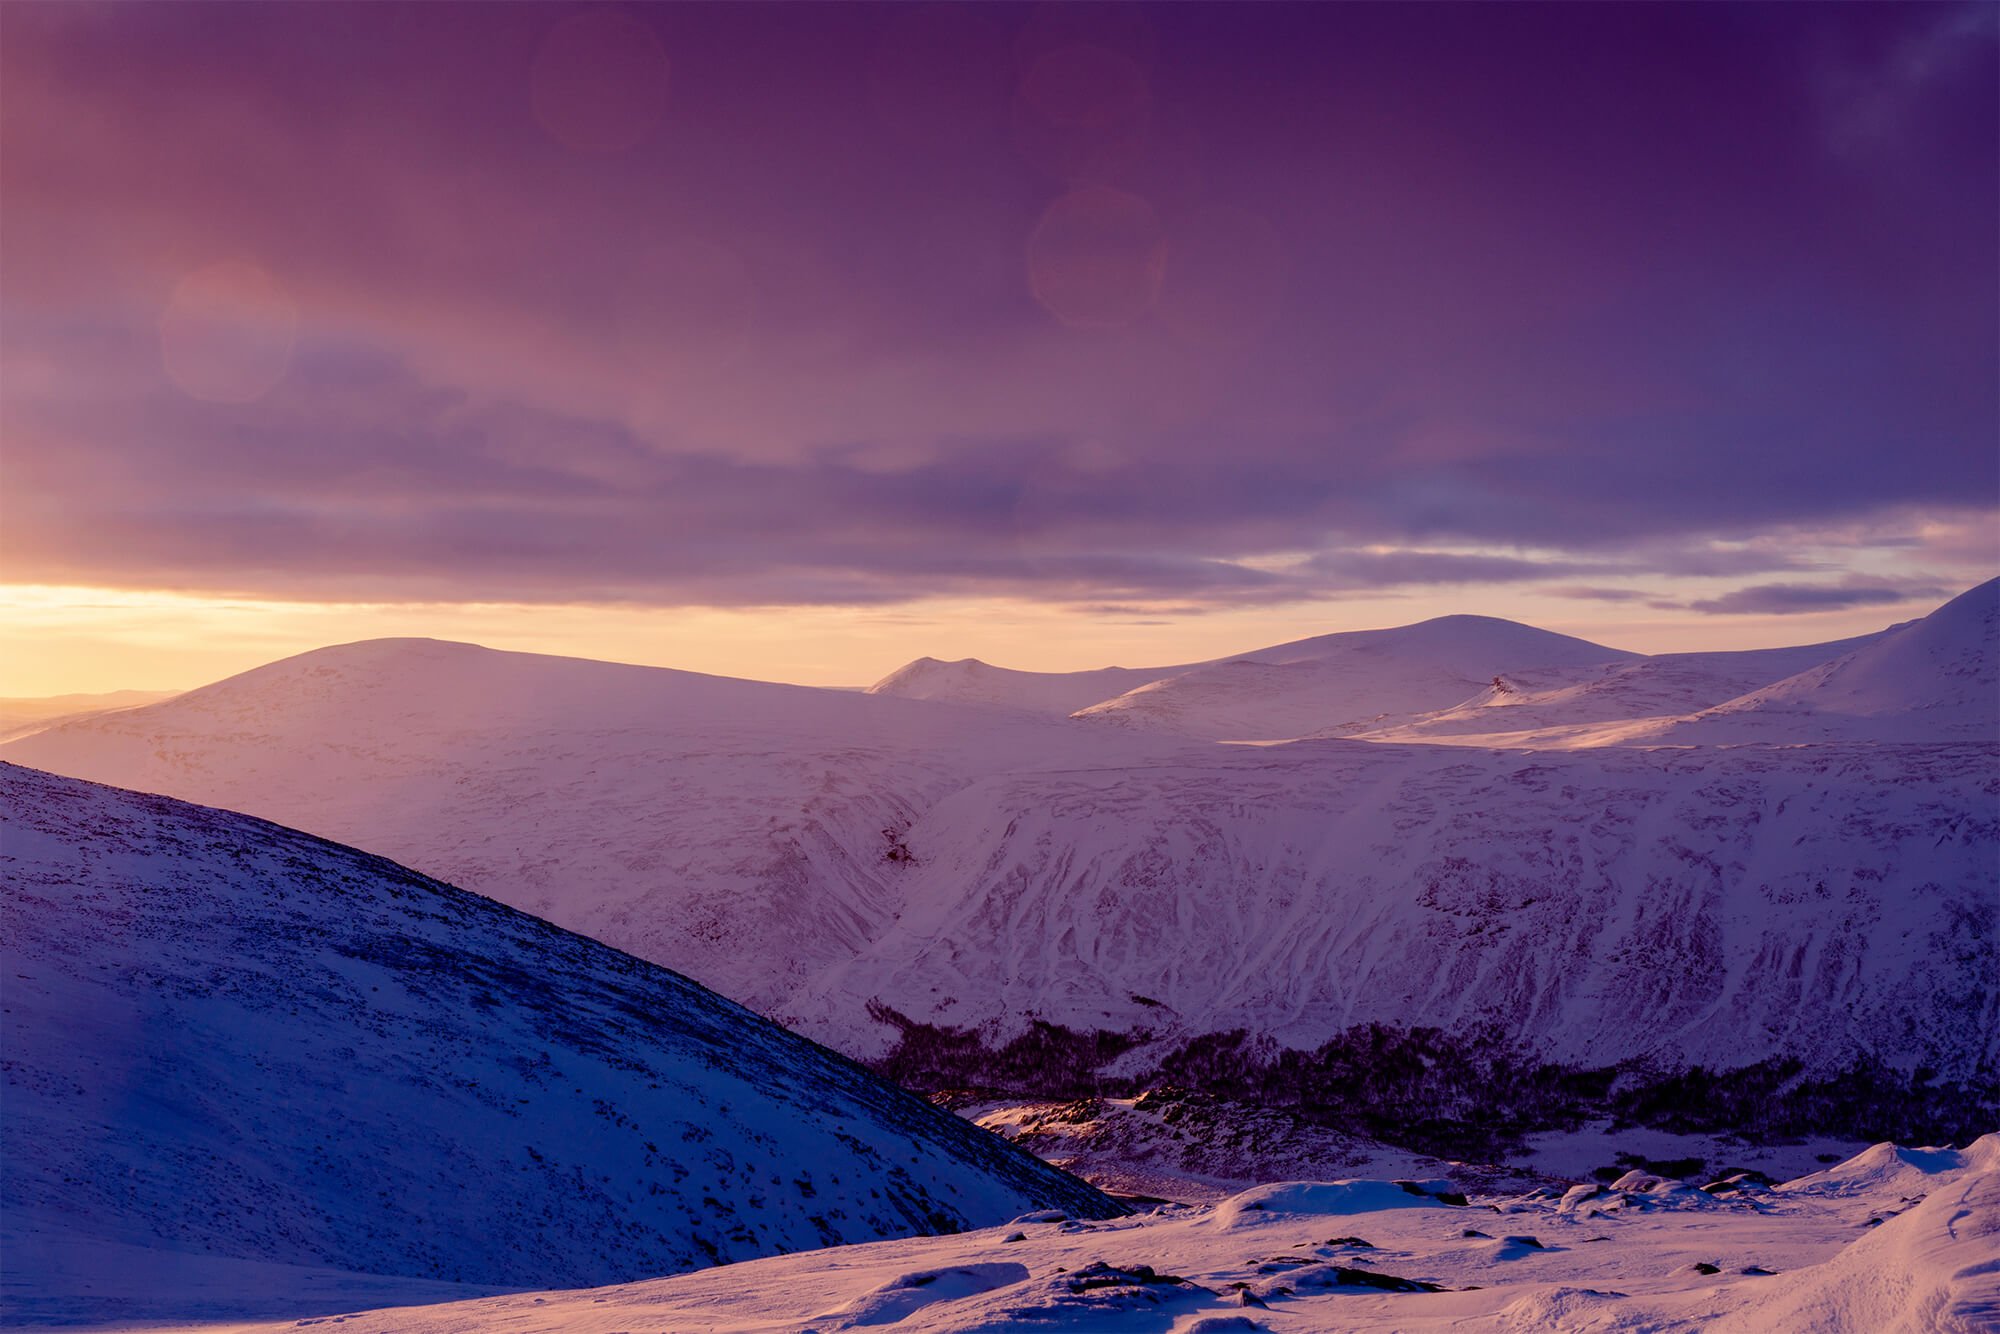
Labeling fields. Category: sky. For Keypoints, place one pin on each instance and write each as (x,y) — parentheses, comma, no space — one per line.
(798,341)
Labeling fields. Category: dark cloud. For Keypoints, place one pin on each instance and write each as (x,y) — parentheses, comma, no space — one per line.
(1798,599)
(1379,569)
(1603,284)
(1586,593)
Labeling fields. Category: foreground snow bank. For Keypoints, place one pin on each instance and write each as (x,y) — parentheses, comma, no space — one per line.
(1934,1269)
(1805,1258)
(1325,1199)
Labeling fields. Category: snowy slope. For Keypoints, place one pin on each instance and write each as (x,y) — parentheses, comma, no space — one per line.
(1362,664)
(970,681)
(1342,683)
(1668,685)
(1708,905)
(742,832)
(1936,679)
(808,851)
(1319,1257)
(227,1038)
(21,715)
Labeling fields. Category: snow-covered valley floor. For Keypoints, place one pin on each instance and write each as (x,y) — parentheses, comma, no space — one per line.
(1892,1240)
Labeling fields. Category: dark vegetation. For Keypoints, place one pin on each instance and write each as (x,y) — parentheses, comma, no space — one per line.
(1670,1168)
(1467,1095)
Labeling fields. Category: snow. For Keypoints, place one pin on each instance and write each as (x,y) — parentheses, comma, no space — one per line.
(255,1076)
(809,851)
(1884,1168)
(1669,685)
(1178,1145)
(1932,1270)
(1478,681)
(970,681)
(22,716)
(737,831)
(1794,1261)
(1937,679)
(1702,906)
(1932,680)
(228,1040)
(1263,1206)
(1344,682)
(1282,691)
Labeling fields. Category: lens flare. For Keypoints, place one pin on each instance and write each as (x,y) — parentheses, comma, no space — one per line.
(1096,258)
(227,332)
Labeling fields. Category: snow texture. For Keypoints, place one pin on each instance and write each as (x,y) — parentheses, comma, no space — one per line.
(228,1039)
(808,851)
(1798,1259)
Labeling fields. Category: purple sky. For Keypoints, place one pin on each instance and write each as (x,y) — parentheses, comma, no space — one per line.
(1168,308)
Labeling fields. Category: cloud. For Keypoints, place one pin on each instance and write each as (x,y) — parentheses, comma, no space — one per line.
(1802,599)
(781,348)
(1584,592)
(1380,569)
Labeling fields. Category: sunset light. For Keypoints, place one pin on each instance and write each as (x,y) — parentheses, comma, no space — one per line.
(740,668)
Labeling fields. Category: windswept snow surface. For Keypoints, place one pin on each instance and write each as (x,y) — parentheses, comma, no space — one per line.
(1300,1257)
(224,1038)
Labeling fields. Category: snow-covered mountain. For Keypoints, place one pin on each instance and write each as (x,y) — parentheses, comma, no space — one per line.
(1478,681)
(1702,905)
(970,681)
(1936,679)
(21,715)
(1345,682)
(1667,685)
(1259,694)
(227,1038)
(810,851)
(742,832)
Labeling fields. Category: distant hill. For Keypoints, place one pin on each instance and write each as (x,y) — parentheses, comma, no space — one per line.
(1344,682)
(970,681)
(1935,679)
(1660,889)
(742,832)
(1664,686)
(20,716)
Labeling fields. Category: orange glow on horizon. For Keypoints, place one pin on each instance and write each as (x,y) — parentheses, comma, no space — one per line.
(67,639)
